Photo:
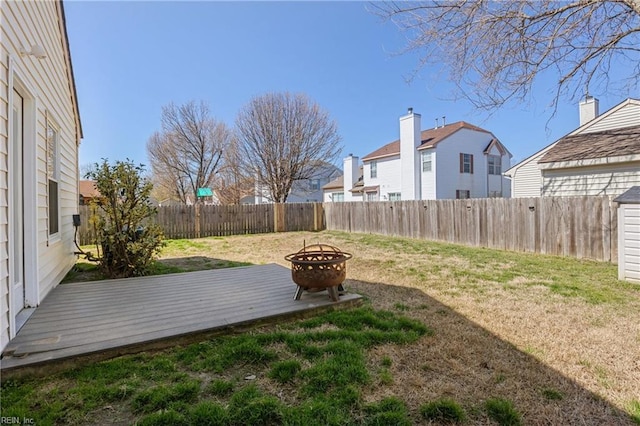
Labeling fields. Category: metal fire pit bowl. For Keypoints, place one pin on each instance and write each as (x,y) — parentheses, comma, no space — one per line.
(318,267)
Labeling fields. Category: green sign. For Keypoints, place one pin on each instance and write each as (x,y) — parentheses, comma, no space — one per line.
(204,192)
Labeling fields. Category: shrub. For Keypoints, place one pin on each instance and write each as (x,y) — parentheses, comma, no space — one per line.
(443,410)
(124,233)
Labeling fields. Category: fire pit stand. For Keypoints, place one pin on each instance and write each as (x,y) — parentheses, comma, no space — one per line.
(318,267)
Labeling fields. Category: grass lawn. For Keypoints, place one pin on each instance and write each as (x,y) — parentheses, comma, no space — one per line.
(447,334)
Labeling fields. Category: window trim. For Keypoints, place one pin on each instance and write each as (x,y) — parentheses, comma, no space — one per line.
(461,192)
(426,158)
(497,165)
(394,196)
(464,163)
(373,169)
(371,194)
(339,194)
(53,175)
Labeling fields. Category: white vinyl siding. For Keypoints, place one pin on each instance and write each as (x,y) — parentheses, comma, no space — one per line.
(526,176)
(598,180)
(627,115)
(388,172)
(48,82)
(629,242)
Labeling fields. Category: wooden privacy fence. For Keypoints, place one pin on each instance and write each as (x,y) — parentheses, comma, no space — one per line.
(584,227)
(206,221)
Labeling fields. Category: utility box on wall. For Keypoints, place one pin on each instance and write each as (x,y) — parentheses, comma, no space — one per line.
(629,235)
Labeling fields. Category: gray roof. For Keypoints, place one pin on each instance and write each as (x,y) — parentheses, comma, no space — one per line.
(631,196)
(609,143)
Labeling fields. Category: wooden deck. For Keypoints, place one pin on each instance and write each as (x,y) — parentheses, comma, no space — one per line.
(107,318)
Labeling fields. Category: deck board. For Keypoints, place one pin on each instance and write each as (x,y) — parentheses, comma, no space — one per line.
(86,318)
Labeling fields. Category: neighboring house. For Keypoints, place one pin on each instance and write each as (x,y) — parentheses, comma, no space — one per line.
(457,160)
(39,157)
(305,190)
(600,157)
(87,192)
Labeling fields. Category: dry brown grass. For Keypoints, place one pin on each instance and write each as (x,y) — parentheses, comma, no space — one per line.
(515,337)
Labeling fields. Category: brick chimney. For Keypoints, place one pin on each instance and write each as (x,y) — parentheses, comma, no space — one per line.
(409,159)
(588,109)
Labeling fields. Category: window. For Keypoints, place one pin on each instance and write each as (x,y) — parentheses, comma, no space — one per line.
(337,197)
(314,184)
(466,163)
(374,169)
(372,196)
(426,161)
(394,196)
(495,165)
(462,193)
(53,176)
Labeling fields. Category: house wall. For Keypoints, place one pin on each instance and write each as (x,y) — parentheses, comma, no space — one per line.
(50,94)
(498,183)
(629,242)
(428,179)
(389,179)
(628,115)
(448,177)
(526,179)
(612,179)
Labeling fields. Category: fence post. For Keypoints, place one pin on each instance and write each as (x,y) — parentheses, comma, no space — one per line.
(318,222)
(279,217)
(197,222)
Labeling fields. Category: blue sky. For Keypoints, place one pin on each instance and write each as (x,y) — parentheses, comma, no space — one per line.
(131,58)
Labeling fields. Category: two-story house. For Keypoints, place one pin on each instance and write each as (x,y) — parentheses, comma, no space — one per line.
(457,160)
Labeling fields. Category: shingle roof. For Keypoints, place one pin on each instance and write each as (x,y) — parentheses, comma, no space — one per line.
(428,137)
(609,143)
(631,196)
(87,188)
(336,183)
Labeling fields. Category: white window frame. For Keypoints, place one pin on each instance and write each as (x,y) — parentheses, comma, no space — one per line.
(394,196)
(427,162)
(314,184)
(463,194)
(53,174)
(373,169)
(494,165)
(371,196)
(336,195)
(467,166)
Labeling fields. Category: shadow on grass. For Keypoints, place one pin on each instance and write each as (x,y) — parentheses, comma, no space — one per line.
(84,271)
(469,364)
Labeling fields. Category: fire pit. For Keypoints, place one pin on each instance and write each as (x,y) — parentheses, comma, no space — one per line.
(318,267)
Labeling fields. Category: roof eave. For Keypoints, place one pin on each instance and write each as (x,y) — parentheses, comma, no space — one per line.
(586,162)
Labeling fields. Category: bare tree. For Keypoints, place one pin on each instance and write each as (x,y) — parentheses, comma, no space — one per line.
(283,137)
(186,154)
(232,183)
(495,50)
